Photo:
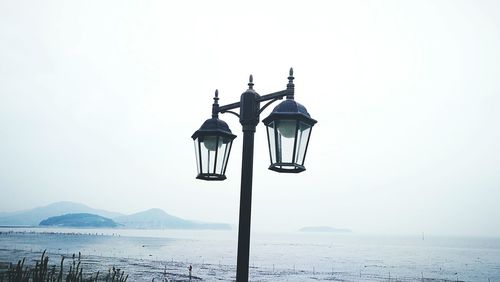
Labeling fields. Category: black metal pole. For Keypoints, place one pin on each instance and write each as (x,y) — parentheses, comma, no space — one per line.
(249,118)
(245,207)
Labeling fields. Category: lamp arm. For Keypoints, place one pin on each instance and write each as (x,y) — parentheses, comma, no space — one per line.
(273,97)
(276,95)
(230,112)
(269,103)
(227,107)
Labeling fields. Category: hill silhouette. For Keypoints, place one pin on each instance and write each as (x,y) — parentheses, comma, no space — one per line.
(79,220)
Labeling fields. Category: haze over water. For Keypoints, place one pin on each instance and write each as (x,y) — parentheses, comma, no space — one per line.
(274,256)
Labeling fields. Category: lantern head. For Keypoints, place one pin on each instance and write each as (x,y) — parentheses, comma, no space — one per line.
(288,132)
(212,144)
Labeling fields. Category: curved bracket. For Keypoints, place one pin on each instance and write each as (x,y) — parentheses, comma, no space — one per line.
(230,112)
(269,103)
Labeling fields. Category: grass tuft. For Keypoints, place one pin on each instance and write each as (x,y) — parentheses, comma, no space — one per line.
(42,272)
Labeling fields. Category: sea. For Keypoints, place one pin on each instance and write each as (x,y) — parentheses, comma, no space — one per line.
(165,255)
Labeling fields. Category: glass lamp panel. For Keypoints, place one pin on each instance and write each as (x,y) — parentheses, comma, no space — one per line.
(197,154)
(302,140)
(221,157)
(208,148)
(271,138)
(286,138)
(227,150)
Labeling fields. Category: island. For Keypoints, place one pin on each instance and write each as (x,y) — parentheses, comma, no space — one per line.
(84,220)
(324,229)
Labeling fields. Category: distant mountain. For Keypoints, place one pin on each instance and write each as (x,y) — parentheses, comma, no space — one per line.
(79,220)
(159,219)
(149,219)
(33,217)
(324,229)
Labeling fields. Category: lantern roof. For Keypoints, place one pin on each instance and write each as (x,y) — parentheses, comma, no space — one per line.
(289,109)
(214,126)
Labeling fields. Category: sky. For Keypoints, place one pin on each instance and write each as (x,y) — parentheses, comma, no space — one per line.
(99,99)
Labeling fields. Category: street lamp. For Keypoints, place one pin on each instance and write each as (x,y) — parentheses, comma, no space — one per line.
(212,145)
(288,132)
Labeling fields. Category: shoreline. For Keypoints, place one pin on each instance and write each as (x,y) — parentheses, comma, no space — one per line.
(148,256)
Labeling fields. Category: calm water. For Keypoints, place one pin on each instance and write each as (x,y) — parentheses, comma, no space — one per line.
(274,257)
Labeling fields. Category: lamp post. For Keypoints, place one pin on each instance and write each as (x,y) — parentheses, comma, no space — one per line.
(288,131)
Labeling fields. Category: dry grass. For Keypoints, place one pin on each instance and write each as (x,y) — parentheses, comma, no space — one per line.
(42,271)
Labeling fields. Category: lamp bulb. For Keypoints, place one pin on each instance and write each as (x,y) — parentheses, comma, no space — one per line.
(210,142)
(287,128)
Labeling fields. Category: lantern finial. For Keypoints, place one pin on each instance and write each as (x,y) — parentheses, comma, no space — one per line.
(290,87)
(250,82)
(215,106)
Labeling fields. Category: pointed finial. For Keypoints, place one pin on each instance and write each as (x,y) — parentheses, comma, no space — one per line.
(216,96)
(290,86)
(290,76)
(250,83)
(215,105)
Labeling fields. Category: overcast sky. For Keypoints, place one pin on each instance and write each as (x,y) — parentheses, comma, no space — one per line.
(98,100)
